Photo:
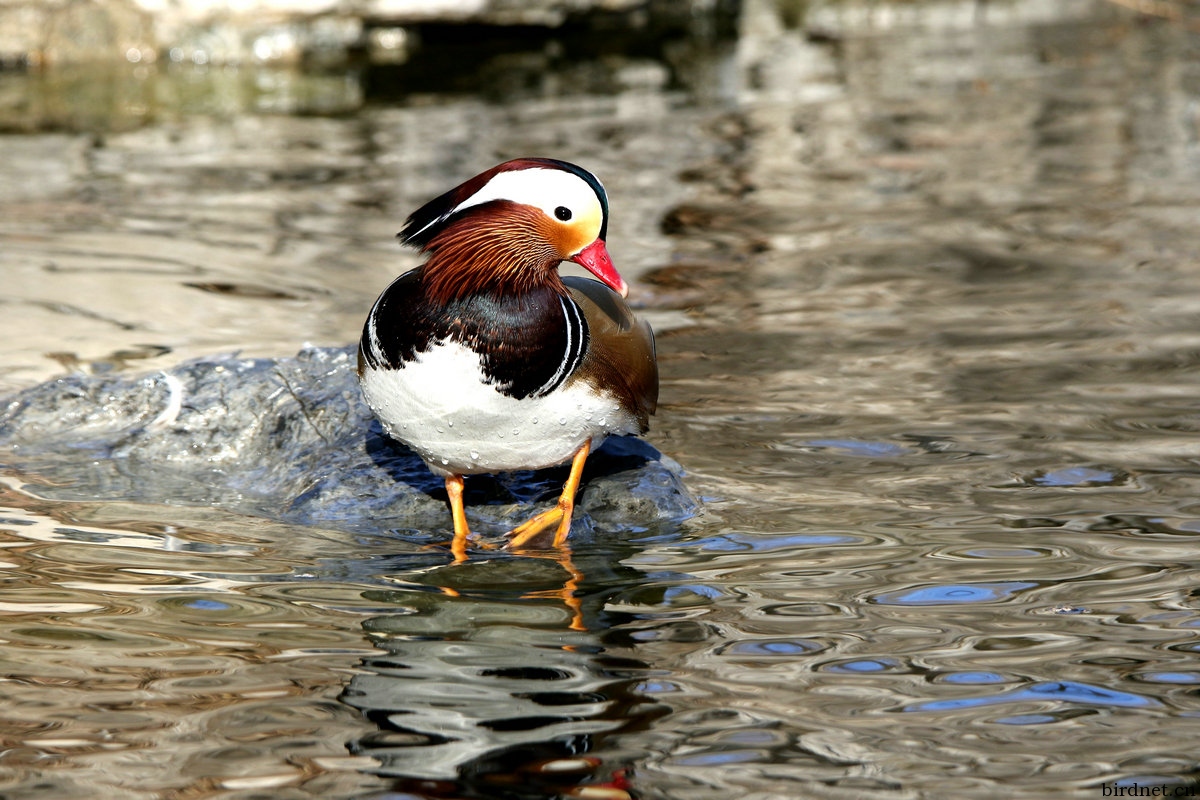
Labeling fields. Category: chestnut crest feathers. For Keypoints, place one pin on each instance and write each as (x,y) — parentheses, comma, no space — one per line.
(561,190)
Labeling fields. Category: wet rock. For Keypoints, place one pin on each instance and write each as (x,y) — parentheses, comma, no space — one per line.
(290,439)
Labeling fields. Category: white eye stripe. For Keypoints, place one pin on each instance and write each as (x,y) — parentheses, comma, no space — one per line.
(546,189)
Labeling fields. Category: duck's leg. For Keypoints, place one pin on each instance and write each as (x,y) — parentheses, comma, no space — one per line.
(560,512)
(458,545)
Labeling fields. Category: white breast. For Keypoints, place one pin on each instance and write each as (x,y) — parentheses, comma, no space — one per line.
(441,407)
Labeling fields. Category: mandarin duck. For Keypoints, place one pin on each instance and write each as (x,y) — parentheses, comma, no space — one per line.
(484,359)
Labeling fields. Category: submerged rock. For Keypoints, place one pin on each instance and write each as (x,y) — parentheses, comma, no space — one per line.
(290,439)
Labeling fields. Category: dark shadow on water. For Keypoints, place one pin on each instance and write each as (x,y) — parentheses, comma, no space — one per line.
(502,62)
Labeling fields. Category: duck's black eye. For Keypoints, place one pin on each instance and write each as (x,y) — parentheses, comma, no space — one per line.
(563,213)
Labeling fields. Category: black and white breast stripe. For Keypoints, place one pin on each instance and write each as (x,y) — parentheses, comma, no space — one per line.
(577,336)
(528,345)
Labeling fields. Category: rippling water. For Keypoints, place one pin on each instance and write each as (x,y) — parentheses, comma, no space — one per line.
(927,295)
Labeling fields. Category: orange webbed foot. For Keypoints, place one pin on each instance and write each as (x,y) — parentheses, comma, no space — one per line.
(560,513)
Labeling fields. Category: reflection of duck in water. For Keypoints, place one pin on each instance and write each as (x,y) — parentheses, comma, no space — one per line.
(484,359)
(490,694)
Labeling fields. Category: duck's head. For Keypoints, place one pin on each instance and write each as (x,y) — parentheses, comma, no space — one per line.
(508,229)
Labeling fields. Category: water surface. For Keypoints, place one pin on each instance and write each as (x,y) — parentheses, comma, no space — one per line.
(926,291)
